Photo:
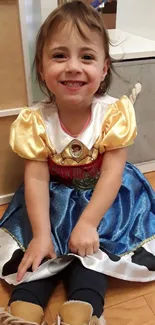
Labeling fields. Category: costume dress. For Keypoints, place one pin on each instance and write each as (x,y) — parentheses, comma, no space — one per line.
(126,231)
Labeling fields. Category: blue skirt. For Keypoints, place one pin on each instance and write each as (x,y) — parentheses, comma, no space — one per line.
(126,232)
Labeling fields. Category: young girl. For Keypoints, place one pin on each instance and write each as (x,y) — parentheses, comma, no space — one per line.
(83,212)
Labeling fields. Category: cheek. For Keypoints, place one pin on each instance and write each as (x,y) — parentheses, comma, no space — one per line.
(96,77)
(96,73)
(51,72)
(51,78)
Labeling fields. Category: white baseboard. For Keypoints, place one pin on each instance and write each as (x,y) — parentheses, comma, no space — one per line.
(10,112)
(145,167)
(6,198)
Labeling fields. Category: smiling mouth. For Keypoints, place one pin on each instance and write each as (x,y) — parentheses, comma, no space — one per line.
(73,84)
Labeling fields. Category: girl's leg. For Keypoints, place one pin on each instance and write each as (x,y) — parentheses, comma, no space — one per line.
(28,301)
(36,292)
(86,285)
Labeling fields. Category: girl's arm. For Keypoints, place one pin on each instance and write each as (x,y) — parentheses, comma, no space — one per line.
(37,203)
(107,186)
(37,197)
(84,239)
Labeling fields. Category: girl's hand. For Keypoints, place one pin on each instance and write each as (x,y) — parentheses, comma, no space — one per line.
(39,248)
(84,239)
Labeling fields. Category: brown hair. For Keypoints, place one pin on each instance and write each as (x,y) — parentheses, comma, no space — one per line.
(78,13)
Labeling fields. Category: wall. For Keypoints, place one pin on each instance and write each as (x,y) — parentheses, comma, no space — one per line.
(13,92)
(32,14)
(46,7)
(137,17)
(31,19)
(12,81)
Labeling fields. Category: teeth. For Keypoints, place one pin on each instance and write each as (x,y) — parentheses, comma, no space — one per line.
(73,84)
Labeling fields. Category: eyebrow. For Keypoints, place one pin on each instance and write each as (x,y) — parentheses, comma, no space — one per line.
(64,48)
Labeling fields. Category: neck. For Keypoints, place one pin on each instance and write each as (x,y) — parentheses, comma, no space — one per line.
(74,118)
(73,109)
(69,112)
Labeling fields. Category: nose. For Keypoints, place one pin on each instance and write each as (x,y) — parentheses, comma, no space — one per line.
(73,65)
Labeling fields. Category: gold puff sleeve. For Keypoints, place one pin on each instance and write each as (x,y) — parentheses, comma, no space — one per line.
(28,136)
(119,127)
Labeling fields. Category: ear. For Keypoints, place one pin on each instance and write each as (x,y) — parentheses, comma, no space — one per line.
(105,69)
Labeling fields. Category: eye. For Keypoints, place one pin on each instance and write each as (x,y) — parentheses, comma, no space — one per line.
(88,57)
(59,56)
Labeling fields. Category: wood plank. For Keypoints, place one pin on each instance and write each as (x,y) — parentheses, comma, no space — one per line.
(2,209)
(133,312)
(13,91)
(58,298)
(121,291)
(5,292)
(151,178)
(150,299)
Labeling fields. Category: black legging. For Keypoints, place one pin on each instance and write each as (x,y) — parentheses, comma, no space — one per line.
(80,284)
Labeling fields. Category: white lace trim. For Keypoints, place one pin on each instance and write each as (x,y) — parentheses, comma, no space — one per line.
(102,320)
(59,322)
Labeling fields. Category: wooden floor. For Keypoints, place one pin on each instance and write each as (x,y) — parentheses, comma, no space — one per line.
(126,303)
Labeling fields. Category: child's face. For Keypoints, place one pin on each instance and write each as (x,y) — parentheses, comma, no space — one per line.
(73,68)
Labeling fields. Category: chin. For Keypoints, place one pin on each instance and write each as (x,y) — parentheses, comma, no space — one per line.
(73,100)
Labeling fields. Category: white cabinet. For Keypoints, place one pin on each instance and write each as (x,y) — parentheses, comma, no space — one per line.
(137,17)
(130,72)
(134,49)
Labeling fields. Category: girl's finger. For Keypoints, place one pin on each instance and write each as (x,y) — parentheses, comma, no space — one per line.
(52,254)
(90,251)
(37,262)
(23,268)
(96,247)
(23,262)
(38,259)
(73,249)
(25,257)
(82,252)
